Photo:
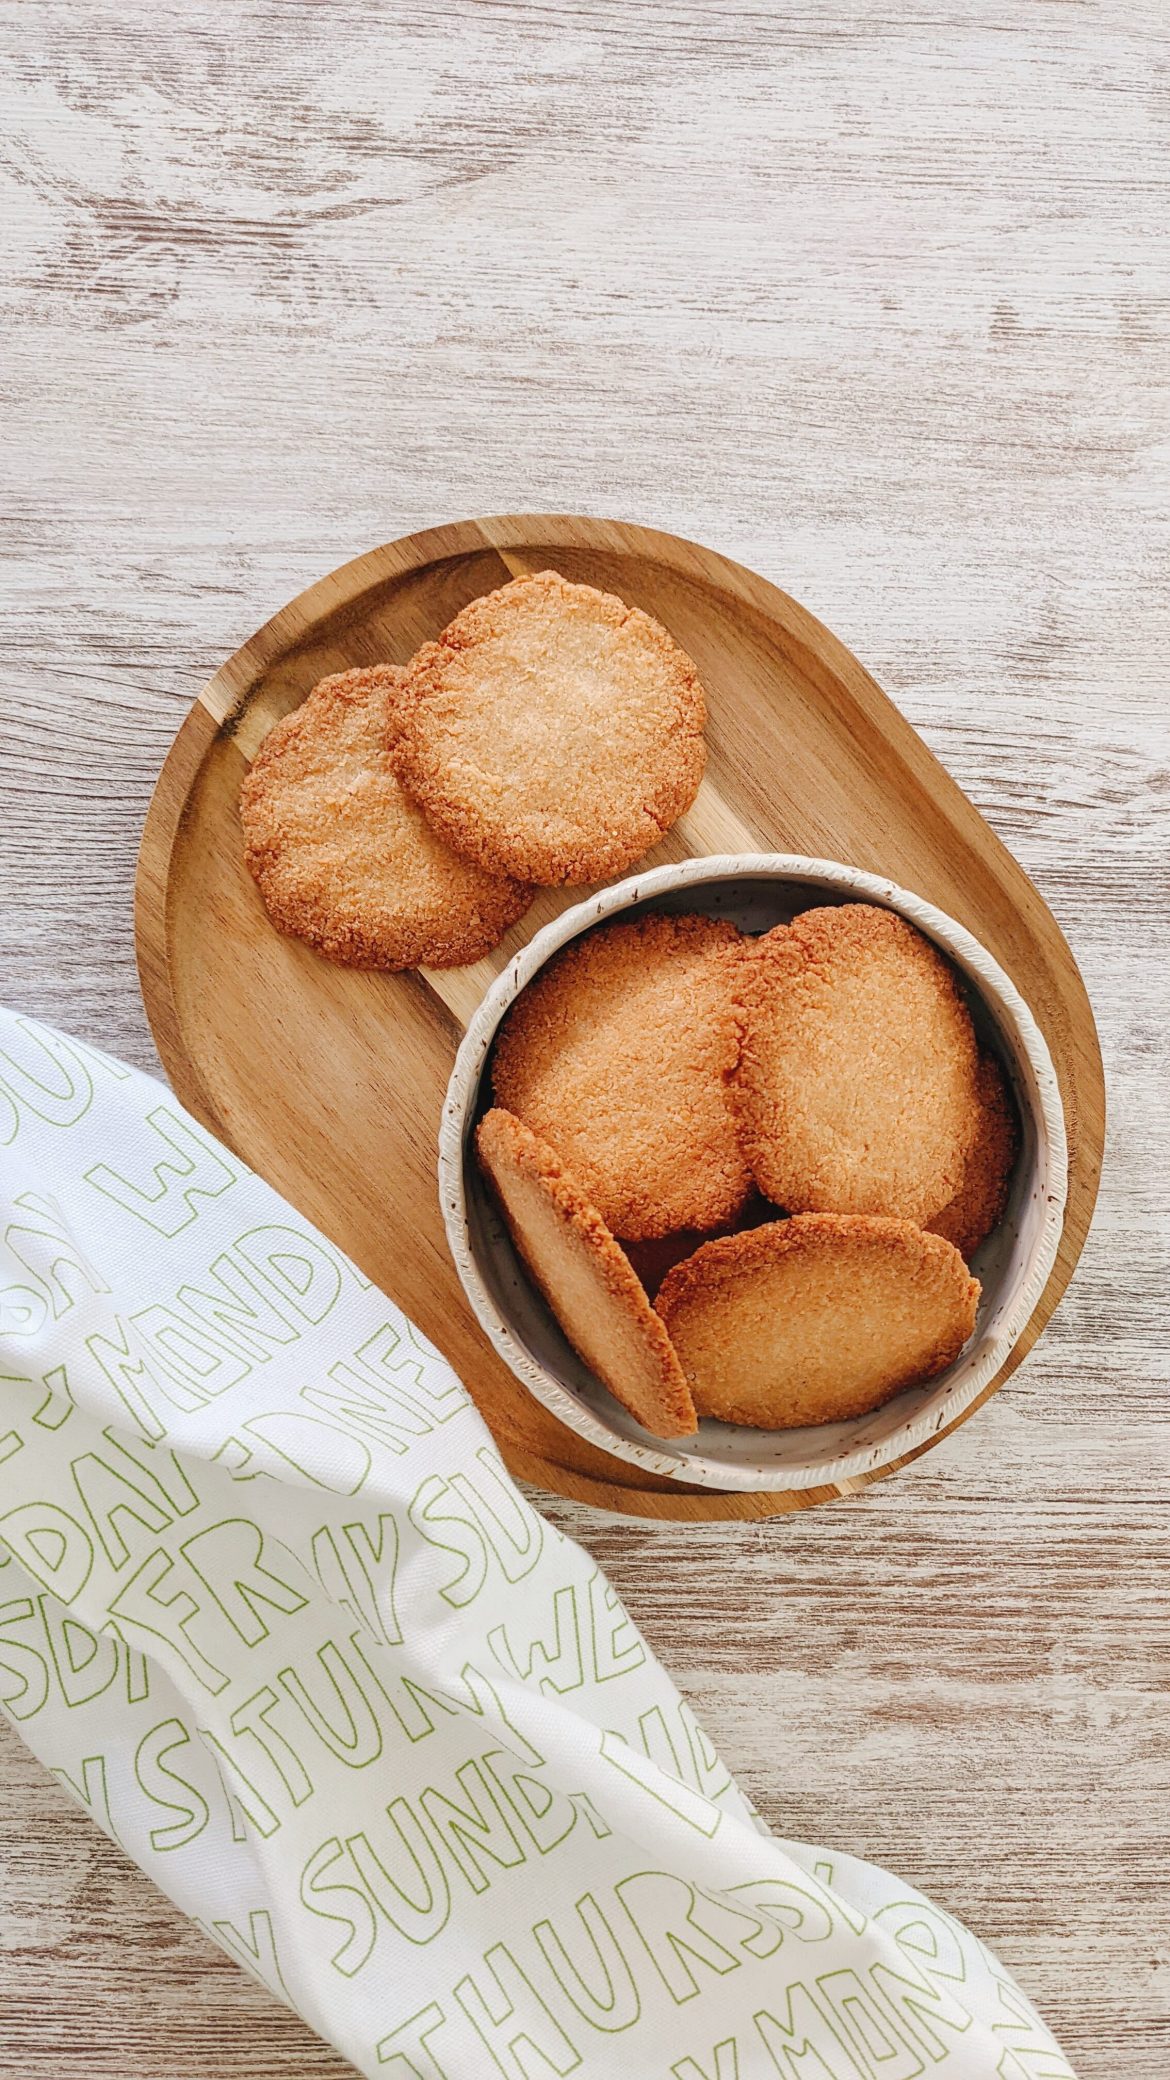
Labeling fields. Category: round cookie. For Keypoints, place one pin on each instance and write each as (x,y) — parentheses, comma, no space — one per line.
(816,1319)
(979,1204)
(618,1053)
(552,732)
(856,1089)
(585,1276)
(343,857)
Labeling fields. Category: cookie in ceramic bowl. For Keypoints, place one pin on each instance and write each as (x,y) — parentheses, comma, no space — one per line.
(816,1319)
(756,893)
(619,1053)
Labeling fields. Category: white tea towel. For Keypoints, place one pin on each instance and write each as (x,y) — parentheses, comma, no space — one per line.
(272,1608)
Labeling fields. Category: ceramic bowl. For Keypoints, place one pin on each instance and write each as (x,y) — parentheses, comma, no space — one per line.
(757,891)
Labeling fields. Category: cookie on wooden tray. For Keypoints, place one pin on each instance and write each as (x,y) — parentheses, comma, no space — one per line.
(856,1089)
(618,1053)
(817,1318)
(553,733)
(345,860)
(585,1276)
(979,1204)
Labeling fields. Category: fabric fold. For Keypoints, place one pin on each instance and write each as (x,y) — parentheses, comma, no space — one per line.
(273,1609)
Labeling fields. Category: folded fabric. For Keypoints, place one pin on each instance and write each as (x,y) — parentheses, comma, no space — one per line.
(272,1608)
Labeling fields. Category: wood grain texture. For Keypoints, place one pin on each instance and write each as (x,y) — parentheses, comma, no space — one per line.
(876,300)
(270,1047)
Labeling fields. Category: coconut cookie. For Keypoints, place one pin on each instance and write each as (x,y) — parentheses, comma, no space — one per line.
(618,1053)
(585,1276)
(856,1089)
(815,1319)
(344,858)
(979,1203)
(553,733)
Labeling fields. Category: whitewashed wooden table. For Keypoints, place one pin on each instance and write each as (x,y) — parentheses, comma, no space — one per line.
(875,299)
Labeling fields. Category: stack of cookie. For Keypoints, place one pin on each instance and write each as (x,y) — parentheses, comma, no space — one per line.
(746,1172)
(402,817)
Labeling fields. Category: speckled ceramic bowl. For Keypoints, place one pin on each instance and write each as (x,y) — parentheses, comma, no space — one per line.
(757,891)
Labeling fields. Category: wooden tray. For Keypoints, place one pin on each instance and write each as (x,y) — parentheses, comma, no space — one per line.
(330,1083)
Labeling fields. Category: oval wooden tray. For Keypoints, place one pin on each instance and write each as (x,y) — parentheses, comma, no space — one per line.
(330,1083)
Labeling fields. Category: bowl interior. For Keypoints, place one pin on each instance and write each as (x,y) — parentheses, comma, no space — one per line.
(721,1454)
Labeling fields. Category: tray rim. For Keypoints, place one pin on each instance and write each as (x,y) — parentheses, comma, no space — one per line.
(215,710)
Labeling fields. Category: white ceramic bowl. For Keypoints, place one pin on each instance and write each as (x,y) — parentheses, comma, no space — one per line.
(756,891)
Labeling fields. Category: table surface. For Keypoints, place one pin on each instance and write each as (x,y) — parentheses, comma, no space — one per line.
(876,299)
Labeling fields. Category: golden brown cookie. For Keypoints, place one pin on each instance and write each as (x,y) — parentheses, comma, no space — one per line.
(978,1205)
(585,1276)
(856,1088)
(618,1053)
(815,1319)
(553,733)
(344,858)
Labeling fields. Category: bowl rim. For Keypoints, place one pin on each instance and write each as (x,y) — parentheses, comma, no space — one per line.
(460,1102)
